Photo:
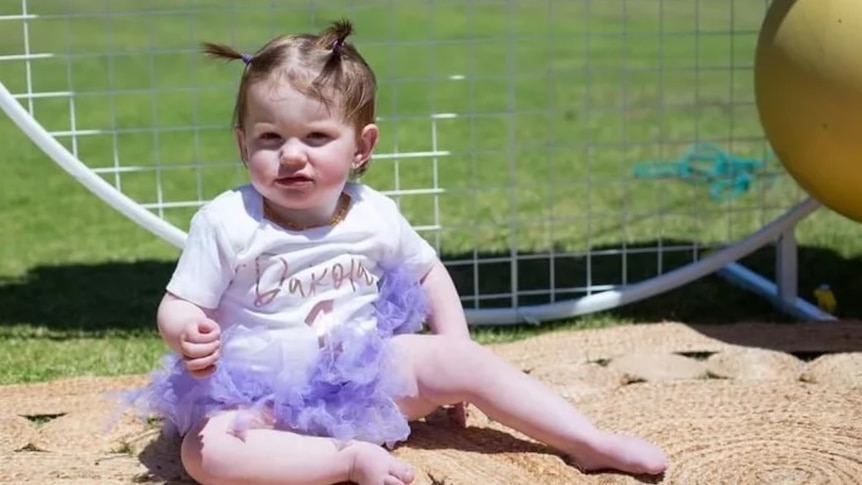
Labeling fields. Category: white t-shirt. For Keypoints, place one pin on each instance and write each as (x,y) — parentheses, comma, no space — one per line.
(253,272)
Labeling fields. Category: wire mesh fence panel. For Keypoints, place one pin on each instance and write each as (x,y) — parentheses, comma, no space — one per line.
(549,149)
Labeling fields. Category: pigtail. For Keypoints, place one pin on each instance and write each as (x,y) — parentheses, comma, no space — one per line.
(331,43)
(344,73)
(221,51)
(333,37)
(227,53)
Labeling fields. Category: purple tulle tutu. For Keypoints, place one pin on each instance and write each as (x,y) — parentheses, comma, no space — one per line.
(348,391)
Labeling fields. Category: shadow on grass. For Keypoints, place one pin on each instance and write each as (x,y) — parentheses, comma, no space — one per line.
(122,297)
(107,297)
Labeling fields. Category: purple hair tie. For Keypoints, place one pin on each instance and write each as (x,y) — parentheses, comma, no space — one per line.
(246,58)
(336,44)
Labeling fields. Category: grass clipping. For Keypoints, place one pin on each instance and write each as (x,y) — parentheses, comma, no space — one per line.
(745,403)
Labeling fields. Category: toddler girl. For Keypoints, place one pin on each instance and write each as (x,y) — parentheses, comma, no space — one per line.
(294,309)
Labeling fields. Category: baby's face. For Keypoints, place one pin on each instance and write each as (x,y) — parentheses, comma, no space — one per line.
(299,153)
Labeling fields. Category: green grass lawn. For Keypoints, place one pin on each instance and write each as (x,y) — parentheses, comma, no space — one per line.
(554,103)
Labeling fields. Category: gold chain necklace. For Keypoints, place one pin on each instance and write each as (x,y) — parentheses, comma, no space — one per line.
(337,217)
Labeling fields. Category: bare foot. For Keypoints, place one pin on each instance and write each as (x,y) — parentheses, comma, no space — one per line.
(372,465)
(628,454)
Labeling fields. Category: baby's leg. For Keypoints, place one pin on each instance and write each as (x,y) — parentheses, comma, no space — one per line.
(449,370)
(212,455)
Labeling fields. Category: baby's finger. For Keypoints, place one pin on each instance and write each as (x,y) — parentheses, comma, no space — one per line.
(202,332)
(194,350)
(207,326)
(458,413)
(202,363)
(200,374)
(210,335)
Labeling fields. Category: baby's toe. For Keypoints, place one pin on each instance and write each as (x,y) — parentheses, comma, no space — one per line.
(403,472)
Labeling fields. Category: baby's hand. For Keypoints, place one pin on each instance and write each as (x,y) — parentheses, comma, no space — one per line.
(458,413)
(200,343)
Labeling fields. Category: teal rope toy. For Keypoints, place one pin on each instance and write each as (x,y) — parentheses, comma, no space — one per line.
(728,176)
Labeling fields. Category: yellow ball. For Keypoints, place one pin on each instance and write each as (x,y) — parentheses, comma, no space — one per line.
(808,88)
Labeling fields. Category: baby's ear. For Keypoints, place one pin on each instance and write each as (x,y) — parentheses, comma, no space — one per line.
(365,143)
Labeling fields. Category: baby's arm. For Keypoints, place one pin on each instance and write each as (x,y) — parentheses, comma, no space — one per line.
(446,313)
(191,332)
(446,317)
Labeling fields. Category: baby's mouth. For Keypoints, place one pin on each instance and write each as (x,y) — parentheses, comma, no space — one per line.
(293,180)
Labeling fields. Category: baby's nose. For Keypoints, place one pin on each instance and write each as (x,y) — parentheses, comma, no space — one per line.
(291,154)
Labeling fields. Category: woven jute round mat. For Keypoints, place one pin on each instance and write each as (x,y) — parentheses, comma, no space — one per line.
(746,403)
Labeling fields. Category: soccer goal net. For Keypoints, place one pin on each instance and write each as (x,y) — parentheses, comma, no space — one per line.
(564,156)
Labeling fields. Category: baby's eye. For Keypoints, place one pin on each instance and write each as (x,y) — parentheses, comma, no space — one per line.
(317,136)
(269,136)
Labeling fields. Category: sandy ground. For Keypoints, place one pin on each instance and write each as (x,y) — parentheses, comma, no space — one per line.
(743,403)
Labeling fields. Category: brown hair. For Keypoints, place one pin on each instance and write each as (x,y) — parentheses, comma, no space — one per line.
(322,66)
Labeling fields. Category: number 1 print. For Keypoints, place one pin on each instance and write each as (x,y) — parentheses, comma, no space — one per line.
(323,306)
